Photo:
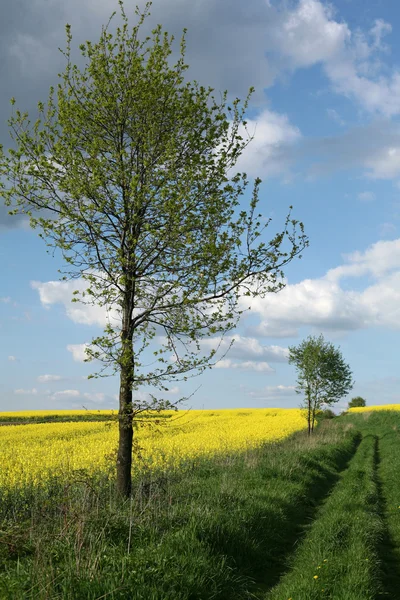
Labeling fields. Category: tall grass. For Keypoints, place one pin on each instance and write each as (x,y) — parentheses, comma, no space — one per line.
(221,528)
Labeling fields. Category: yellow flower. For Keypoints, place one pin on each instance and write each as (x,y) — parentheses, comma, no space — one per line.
(33,452)
(315,576)
(325,560)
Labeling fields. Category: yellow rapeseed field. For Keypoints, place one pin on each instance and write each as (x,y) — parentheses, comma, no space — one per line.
(375,407)
(37,414)
(30,453)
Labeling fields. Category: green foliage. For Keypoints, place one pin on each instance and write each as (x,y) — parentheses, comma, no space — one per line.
(357,401)
(130,164)
(323,376)
(327,413)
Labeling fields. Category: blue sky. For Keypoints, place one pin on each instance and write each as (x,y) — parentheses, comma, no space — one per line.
(325,119)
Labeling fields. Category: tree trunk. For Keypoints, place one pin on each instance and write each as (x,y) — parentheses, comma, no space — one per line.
(125,413)
(124,457)
(309,412)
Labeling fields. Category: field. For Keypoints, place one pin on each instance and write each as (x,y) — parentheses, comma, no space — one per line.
(34,452)
(225,505)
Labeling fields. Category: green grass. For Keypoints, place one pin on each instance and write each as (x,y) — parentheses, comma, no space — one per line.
(260,524)
(221,529)
(71,418)
(352,548)
(386,426)
(338,557)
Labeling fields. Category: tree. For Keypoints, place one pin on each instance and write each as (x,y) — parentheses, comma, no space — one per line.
(323,376)
(357,401)
(131,170)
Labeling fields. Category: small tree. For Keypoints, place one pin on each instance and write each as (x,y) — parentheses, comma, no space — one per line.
(357,401)
(323,376)
(133,166)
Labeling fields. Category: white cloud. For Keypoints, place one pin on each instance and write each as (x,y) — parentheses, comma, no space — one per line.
(248,365)
(246,348)
(47,378)
(173,390)
(366,196)
(273,392)
(12,358)
(95,396)
(273,134)
(78,351)
(5,299)
(53,292)
(380,258)
(385,164)
(309,34)
(66,394)
(20,391)
(323,305)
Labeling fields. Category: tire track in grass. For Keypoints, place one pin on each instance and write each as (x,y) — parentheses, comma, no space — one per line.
(387,465)
(318,476)
(338,558)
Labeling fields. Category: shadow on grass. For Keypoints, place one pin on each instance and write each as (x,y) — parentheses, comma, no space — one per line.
(390,568)
(259,548)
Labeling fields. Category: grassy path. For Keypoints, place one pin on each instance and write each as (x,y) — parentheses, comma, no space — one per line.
(339,559)
(388,463)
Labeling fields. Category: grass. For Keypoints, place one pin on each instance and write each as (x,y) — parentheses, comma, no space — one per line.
(220,529)
(301,519)
(386,426)
(68,417)
(338,557)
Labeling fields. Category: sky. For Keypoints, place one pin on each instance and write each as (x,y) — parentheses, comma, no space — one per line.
(325,120)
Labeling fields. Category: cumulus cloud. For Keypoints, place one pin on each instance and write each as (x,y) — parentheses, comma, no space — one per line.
(174,390)
(273,392)
(78,351)
(248,365)
(53,292)
(310,34)
(323,304)
(47,378)
(66,394)
(12,358)
(95,396)
(366,196)
(23,392)
(247,348)
(267,153)
(380,258)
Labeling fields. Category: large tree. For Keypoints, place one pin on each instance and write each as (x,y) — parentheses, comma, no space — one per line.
(129,171)
(323,375)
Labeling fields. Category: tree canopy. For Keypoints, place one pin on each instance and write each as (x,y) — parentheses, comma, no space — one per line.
(323,376)
(357,401)
(129,173)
